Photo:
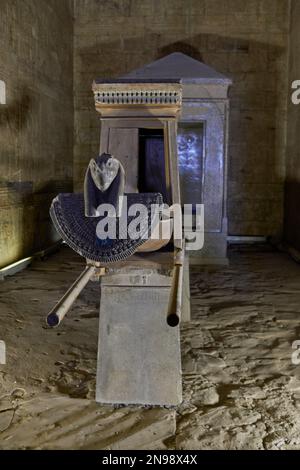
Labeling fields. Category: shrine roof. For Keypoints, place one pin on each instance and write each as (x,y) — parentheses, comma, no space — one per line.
(178,66)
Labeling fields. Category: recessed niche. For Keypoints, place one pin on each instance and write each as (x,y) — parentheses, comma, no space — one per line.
(152,171)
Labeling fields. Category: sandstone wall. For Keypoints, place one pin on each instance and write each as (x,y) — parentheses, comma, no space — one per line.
(246,40)
(292,199)
(36,123)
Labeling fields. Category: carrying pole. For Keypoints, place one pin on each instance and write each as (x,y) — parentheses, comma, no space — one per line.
(65,303)
(175,299)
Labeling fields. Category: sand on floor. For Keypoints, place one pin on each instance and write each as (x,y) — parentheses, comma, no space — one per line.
(241,388)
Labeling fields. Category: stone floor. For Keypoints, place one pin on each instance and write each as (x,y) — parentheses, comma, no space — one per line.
(241,389)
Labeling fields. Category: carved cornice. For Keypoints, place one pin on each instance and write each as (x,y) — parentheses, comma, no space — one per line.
(143,95)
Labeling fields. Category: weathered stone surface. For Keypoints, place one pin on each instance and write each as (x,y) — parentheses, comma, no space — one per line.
(36,138)
(292,217)
(240,388)
(139,359)
(247,41)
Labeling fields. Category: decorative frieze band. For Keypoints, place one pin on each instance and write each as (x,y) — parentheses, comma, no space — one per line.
(137,94)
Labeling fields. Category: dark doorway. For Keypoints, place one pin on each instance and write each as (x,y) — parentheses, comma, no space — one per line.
(152,170)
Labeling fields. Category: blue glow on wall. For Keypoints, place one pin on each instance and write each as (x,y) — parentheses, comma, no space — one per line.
(190,156)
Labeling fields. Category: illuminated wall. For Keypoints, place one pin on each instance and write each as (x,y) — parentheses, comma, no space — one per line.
(190,157)
(292,193)
(36,123)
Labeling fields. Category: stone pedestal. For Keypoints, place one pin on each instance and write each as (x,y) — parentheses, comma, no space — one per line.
(139,360)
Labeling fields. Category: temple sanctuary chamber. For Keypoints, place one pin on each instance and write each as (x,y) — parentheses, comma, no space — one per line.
(149,227)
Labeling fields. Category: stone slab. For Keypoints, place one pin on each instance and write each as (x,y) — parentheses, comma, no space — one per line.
(139,359)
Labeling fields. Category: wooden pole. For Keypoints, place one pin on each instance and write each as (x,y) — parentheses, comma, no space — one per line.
(175,299)
(65,303)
